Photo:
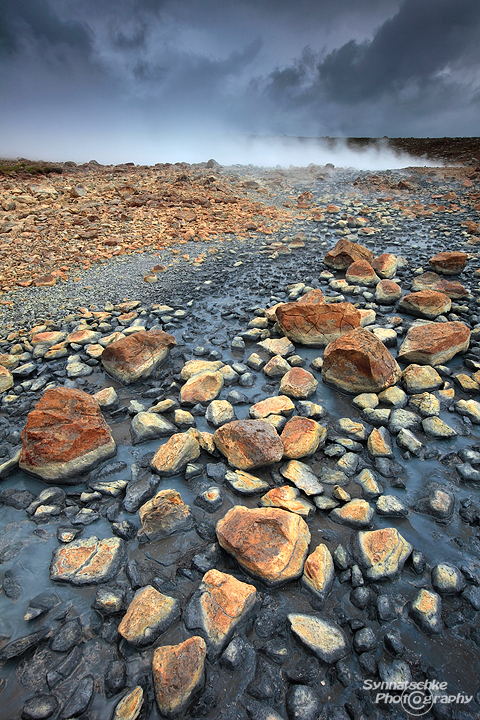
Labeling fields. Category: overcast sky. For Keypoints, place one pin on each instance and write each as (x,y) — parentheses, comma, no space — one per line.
(129,79)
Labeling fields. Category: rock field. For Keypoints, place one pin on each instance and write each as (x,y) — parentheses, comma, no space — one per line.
(239,441)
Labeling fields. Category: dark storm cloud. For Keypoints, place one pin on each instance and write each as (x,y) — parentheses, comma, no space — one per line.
(419,41)
(34,20)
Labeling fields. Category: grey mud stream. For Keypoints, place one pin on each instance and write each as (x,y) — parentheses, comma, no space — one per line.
(217,303)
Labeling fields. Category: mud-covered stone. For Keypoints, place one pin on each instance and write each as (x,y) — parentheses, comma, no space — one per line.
(149,614)
(130,705)
(88,561)
(65,435)
(381,553)
(302,476)
(137,356)
(269,543)
(178,673)
(164,515)
(320,635)
(245,484)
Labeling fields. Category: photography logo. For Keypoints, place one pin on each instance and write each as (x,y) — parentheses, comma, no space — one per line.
(416,698)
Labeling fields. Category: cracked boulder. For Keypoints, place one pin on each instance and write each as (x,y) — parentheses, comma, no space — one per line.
(317,324)
(88,561)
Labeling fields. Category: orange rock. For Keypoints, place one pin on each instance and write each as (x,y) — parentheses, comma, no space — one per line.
(276,405)
(312,297)
(449,263)
(149,614)
(65,435)
(434,343)
(387,292)
(345,253)
(219,605)
(452,289)
(178,672)
(301,437)
(426,303)
(361,272)
(175,454)
(316,325)
(137,356)
(288,498)
(358,362)
(319,571)
(269,543)
(249,444)
(298,383)
(202,388)
(385,265)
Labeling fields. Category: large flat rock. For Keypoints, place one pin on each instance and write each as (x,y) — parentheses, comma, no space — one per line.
(317,324)
(137,356)
(88,561)
(434,343)
(178,672)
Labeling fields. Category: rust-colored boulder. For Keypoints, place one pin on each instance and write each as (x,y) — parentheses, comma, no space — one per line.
(387,292)
(137,356)
(249,444)
(432,281)
(361,272)
(317,325)
(358,362)
(269,543)
(88,561)
(426,304)
(385,265)
(301,437)
(65,435)
(449,263)
(178,672)
(434,343)
(345,253)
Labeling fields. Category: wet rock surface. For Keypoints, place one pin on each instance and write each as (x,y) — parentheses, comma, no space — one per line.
(378,580)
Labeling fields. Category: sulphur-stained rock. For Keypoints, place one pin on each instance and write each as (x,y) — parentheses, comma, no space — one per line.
(107,398)
(6,379)
(421,378)
(387,292)
(277,367)
(179,450)
(218,607)
(426,304)
(447,579)
(147,426)
(381,553)
(202,387)
(355,514)
(469,408)
(358,362)
(385,265)
(84,337)
(277,346)
(130,705)
(276,405)
(302,477)
(434,343)
(361,272)
(149,614)
(426,611)
(193,367)
(425,281)
(245,484)
(88,561)
(178,673)
(288,498)
(301,437)
(65,435)
(249,444)
(312,297)
(449,263)
(317,325)
(220,412)
(298,383)
(137,356)
(379,443)
(320,635)
(319,571)
(345,253)
(269,543)
(163,515)
(437,428)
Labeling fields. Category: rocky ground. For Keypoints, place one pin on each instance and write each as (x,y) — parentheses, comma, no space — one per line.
(239,441)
